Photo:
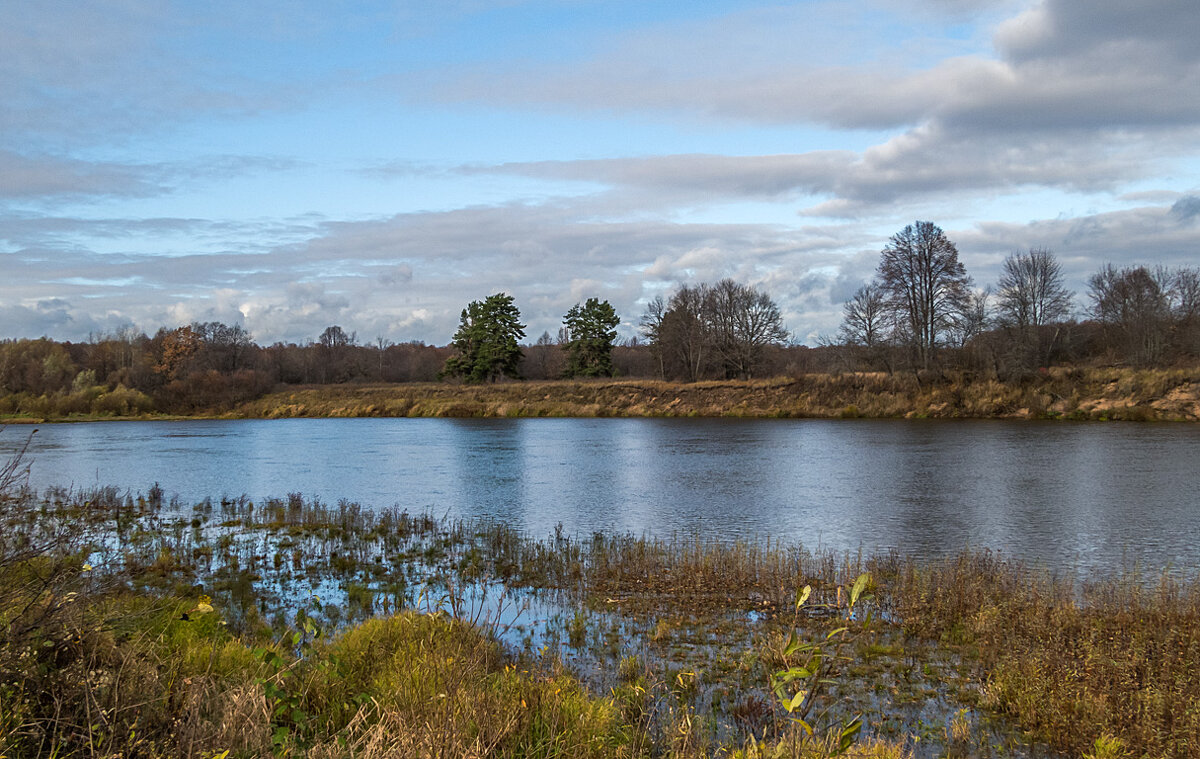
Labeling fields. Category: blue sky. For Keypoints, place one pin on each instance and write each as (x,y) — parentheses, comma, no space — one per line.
(290,165)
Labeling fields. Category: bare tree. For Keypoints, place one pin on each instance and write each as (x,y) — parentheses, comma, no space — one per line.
(381,346)
(676,332)
(684,332)
(723,330)
(335,344)
(975,318)
(742,322)
(336,337)
(1134,306)
(867,327)
(1031,291)
(650,326)
(865,319)
(1185,305)
(544,359)
(223,347)
(1030,299)
(927,288)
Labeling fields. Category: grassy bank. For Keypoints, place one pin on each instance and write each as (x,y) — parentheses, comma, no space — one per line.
(1058,393)
(138,627)
(134,675)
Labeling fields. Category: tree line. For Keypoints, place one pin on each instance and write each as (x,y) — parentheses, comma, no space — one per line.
(200,366)
(922,310)
(724,330)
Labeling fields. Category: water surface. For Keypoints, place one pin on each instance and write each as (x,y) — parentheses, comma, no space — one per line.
(1071,496)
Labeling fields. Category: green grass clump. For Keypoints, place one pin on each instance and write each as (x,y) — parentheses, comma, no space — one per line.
(129,658)
(427,685)
(133,675)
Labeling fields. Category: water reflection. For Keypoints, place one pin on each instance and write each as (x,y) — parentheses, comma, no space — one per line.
(491,467)
(1066,495)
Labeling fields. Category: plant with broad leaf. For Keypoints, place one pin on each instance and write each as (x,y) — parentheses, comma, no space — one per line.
(290,723)
(810,666)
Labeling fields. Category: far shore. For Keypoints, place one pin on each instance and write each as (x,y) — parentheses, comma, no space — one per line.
(1057,393)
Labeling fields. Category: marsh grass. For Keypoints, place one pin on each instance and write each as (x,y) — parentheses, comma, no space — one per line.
(412,642)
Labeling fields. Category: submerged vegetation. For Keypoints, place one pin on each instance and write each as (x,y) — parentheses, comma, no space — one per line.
(139,626)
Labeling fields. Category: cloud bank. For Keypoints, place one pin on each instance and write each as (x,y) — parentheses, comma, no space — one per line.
(160,164)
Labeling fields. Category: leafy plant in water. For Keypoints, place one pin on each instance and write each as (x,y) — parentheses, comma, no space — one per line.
(810,667)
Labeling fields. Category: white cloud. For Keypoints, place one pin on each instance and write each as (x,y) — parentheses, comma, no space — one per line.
(1098,101)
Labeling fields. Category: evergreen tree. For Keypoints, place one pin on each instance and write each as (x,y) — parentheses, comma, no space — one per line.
(487,341)
(591,329)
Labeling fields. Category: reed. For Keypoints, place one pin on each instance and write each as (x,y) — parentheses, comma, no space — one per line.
(147,628)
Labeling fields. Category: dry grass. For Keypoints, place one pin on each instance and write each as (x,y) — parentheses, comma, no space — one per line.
(1072,393)
(1117,656)
(1070,662)
(1150,394)
(134,678)
(86,671)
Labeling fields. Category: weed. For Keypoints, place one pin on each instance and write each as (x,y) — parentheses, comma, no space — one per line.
(1067,661)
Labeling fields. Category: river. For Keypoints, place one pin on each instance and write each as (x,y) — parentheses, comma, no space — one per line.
(1074,497)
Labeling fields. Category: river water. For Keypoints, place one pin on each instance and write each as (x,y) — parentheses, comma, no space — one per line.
(1075,497)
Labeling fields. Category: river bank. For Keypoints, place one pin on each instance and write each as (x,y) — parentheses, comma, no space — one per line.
(291,626)
(1118,394)
(1056,393)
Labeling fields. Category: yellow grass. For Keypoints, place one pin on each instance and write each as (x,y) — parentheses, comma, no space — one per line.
(1127,394)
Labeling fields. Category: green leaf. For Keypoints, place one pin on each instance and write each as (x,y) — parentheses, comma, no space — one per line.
(793,673)
(835,632)
(849,735)
(803,595)
(859,586)
(796,701)
(794,644)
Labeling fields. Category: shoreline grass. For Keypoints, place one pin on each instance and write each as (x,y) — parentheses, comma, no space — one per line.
(1082,394)
(1057,393)
(292,626)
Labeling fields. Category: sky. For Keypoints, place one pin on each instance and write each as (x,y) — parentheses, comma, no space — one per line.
(289,165)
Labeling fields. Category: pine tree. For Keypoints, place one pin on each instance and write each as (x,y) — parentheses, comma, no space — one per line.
(486,340)
(591,329)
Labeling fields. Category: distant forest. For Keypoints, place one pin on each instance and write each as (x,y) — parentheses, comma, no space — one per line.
(921,313)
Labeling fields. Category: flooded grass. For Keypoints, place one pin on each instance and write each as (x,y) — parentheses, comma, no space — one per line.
(299,616)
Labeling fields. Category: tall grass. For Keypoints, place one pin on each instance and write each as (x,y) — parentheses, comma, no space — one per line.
(1120,654)
(1056,393)
(1127,394)
(110,647)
